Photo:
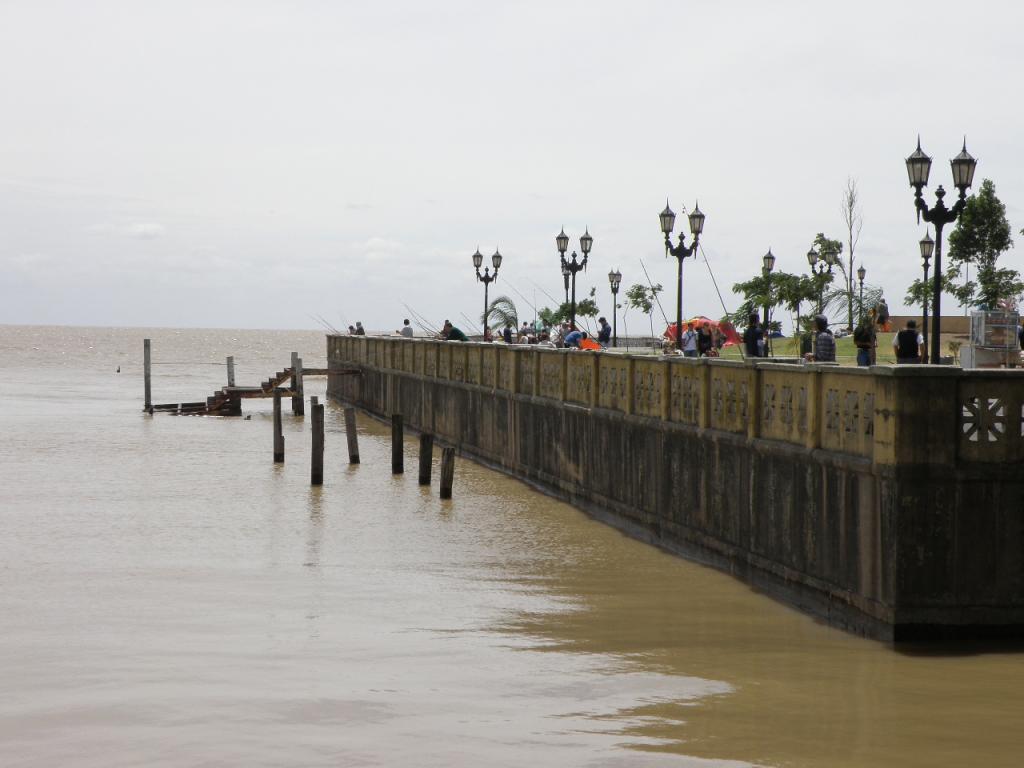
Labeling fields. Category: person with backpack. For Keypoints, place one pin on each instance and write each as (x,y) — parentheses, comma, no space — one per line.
(908,344)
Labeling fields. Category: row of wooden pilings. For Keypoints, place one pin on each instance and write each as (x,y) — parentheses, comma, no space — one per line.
(316,475)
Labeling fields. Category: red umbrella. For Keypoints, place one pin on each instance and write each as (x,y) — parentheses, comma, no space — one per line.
(724,327)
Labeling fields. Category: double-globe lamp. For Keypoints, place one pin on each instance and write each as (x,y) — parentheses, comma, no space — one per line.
(681,251)
(572,265)
(486,278)
(919,166)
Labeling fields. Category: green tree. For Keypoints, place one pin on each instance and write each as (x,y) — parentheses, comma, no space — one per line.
(644,297)
(981,236)
(585,308)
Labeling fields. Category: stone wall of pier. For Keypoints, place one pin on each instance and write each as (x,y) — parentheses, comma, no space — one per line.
(887,500)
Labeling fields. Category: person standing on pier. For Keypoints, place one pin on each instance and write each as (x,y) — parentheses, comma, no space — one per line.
(360,331)
(604,333)
(406,329)
(908,345)
(690,341)
(753,337)
(506,334)
(824,342)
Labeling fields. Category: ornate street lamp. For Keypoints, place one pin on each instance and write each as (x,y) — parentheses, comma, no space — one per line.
(681,251)
(918,167)
(927,246)
(820,264)
(861,273)
(768,262)
(570,265)
(486,278)
(614,279)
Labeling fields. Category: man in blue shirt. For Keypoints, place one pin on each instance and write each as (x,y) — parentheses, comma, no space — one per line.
(573,338)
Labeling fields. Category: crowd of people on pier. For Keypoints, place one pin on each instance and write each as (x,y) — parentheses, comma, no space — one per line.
(706,338)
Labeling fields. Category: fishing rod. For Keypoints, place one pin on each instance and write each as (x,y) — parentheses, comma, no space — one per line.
(743,351)
(420,321)
(471,323)
(532,306)
(653,292)
(556,301)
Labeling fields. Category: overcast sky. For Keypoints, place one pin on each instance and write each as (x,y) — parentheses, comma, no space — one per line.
(255,164)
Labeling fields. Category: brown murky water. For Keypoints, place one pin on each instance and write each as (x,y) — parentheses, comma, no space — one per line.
(170,597)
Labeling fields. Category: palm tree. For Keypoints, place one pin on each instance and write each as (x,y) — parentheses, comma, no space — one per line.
(502,312)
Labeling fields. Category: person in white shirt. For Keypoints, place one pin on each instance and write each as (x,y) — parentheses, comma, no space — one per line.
(690,341)
(406,329)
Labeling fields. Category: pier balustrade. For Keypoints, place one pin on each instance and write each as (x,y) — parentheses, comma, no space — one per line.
(887,414)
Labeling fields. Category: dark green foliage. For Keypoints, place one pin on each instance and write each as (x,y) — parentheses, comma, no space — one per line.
(981,236)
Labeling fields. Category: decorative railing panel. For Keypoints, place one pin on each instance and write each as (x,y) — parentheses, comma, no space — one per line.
(580,372)
(848,411)
(488,365)
(785,399)
(686,391)
(473,364)
(730,397)
(458,369)
(444,360)
(650,387)
(526,360)
(505,357)
(990,419)
(552,373)
(614,382)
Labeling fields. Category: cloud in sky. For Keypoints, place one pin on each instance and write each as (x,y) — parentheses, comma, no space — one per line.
(342,152)
(138,230)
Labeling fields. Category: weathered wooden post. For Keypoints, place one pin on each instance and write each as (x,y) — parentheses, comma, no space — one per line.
(426,457)
(231,370)
(447,472)
(298,404)
(278,431)
(147,363)
(397,454)
(351,436)
(316,469)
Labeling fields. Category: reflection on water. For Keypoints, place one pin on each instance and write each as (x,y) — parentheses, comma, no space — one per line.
(171,597)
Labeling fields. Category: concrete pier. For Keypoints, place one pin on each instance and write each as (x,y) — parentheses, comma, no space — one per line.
(889,500)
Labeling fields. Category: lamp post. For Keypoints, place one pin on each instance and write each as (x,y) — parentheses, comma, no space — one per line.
(614,279)
(486,278)
(927,247)
(570,266)
(820,264)
(768,261)
(681,251)
(919,165)
(860,278)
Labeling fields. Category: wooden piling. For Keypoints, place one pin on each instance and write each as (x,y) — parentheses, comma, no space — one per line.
(298,404)
(147,364)
(351,435)
(447,472)
(426,457)
(397,452)
(316,468)
(231,370)
(278,431)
